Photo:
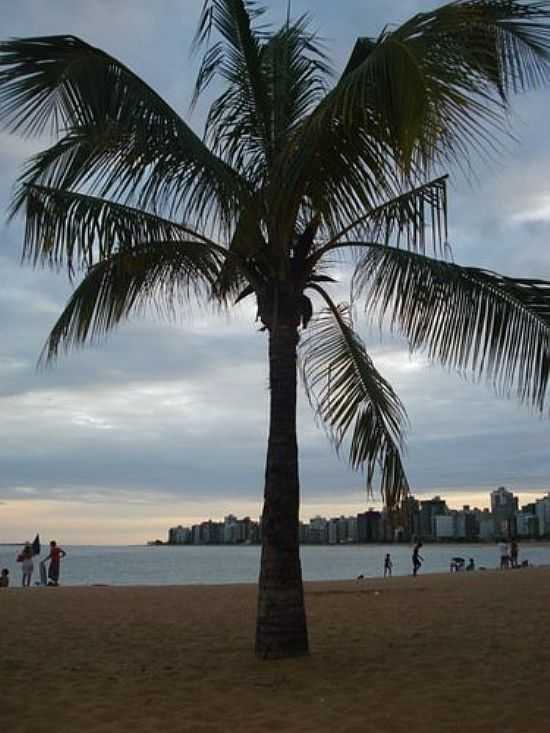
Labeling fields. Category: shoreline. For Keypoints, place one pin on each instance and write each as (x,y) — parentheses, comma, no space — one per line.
(306,583)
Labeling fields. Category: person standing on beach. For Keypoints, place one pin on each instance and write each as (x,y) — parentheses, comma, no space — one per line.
(417,558)
(56,553)
(514,550)
(388,565)
(27,565)
(504,556)
(4,578)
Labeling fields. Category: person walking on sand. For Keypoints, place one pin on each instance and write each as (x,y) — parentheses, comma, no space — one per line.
(27,564)
(56,553)
(504,556)
(417,558)
(514,551)
(388,565)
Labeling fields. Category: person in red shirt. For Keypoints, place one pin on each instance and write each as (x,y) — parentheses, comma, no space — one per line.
(56,553)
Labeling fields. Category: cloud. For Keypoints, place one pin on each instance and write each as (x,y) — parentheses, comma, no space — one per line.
(539,211)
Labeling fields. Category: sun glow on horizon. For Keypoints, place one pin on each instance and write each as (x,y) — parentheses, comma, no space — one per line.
(112,522)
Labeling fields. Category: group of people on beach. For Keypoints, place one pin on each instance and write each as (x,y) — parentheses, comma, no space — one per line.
(26,558)
(417,560)
(459,563)
(509,553)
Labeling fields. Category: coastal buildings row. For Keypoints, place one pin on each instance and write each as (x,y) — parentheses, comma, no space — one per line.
(430,520)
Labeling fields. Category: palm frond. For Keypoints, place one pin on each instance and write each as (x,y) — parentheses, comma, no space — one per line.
(469,319)
(239,123)
(119,136)
(415,220)
(439,85)
(335,172)
(298,70)
(350,395)
(124,283)
(73,230)
(235,22)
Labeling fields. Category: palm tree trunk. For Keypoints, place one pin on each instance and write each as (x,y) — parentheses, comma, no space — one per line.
(281,623)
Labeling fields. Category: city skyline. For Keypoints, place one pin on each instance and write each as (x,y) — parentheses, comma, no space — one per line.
(426,520)
(483,502)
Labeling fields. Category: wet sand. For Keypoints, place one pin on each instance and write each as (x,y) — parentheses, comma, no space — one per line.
(468,652)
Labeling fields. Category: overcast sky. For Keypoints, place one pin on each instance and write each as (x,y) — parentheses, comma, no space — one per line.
(167,422)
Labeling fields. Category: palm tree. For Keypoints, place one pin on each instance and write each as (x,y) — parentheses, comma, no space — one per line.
(296,166)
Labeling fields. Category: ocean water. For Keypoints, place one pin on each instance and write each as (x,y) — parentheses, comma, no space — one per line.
(190,564)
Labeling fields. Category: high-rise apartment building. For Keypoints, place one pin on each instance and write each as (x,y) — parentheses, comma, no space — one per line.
(369,527)
(542,507)
(429,510)
(504,506)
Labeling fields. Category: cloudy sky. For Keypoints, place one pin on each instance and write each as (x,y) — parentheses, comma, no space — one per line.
(167,422)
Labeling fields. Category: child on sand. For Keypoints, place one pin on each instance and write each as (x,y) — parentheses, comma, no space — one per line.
(388,565)
(5,578)
(417,558)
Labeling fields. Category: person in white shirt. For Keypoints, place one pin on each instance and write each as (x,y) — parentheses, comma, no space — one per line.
(504,555)
(27,565)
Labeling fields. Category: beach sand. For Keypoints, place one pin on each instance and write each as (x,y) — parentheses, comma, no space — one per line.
(467,652)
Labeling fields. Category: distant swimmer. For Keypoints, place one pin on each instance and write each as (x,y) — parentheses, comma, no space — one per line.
(388,565)
(417,558)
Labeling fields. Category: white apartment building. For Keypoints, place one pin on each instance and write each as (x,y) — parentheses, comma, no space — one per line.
(333,531)
(353,530)
(543,514)
(318,529)
(525,524)
(233,530)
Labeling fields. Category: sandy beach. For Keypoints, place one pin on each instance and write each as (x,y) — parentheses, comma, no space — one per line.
(467,652)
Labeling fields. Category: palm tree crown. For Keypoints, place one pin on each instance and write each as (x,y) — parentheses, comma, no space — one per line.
(296,165)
